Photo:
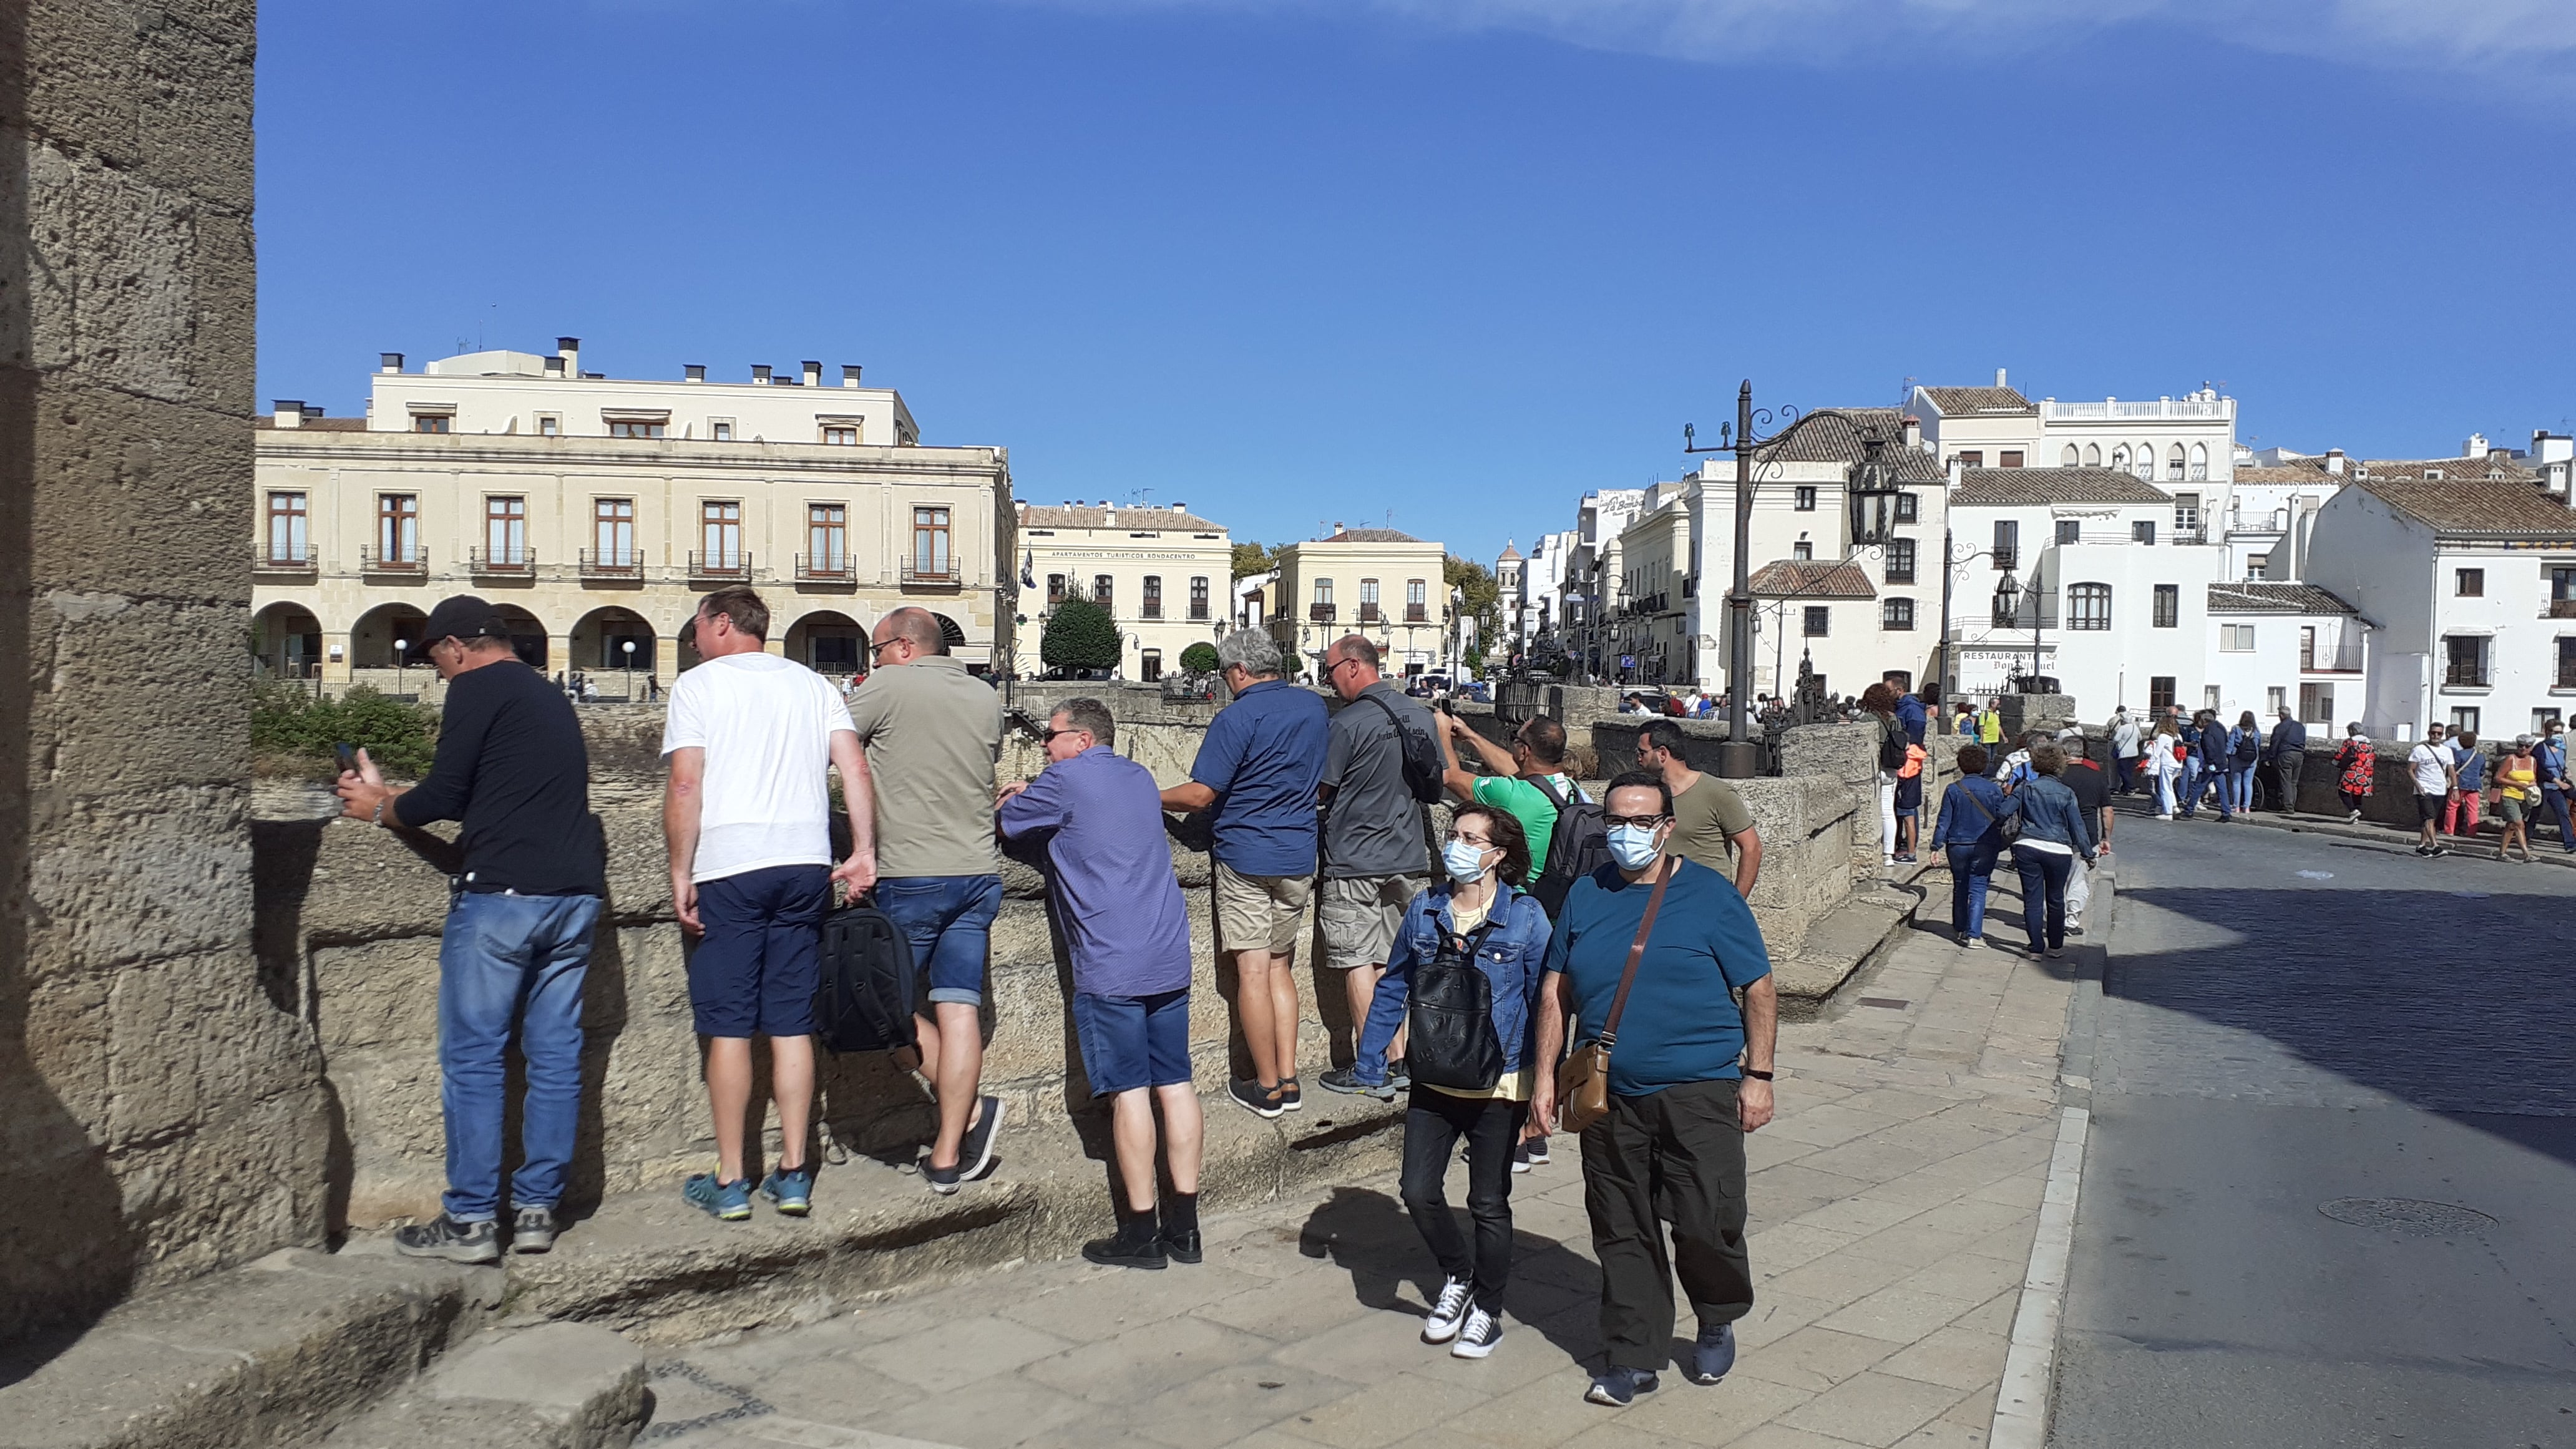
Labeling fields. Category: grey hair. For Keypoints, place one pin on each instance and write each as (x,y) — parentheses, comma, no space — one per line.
(1252,649)
(1092,718)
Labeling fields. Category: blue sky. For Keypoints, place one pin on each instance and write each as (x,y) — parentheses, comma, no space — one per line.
(1447,263)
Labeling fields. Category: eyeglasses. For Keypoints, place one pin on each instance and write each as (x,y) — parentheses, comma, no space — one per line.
(1642,822)
(1049,737)
(1456,839)
(883,645)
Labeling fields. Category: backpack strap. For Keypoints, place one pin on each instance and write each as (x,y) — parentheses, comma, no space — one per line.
(1636,952)
(1549,791)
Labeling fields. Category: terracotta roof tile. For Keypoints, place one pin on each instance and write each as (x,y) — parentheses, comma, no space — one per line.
(1812,580)
(2033,487)
(2478,509)
(1970,401)
(1369,535)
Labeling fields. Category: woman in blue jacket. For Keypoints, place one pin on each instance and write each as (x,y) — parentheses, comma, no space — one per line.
(2054,843)
(1474,910)
(1970,831)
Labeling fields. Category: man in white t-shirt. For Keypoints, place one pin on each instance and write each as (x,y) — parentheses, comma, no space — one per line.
(747,816)
(2436,772)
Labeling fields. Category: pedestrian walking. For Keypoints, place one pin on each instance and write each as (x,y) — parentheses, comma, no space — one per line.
(1097,821)
(1969,832)
(1375,859)
(2289,755)
(1469,956)
(2092,790)
(932,732)
(2054,842)
(746,814)
(1990,724)
(1711,823)
(1647,957)
(2356,771)
(2549,755)
(2217,764)
(2435,774)
(2125,745)
(515,948)
(2517,781)
(2468,790)
(2244,756)
(1259,770)
(1879,701)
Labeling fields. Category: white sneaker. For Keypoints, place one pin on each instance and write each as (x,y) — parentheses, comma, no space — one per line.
(1477,1339)
(1449,1312)
(1974,943)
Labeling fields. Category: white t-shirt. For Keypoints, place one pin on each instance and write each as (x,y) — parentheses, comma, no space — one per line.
(2431,763)
(766,724)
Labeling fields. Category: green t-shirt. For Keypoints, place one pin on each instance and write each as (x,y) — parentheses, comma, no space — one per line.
(1703,817)
(1529,805)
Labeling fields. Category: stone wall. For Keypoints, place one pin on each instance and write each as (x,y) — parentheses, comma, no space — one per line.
(159,1110)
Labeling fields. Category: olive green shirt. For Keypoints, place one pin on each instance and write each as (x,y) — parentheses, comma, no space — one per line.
(1703,817)
(932,733)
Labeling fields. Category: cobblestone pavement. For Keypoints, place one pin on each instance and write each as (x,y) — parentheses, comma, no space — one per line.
(1893,1204)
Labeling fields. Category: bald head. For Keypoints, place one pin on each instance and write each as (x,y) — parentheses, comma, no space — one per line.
(916,627)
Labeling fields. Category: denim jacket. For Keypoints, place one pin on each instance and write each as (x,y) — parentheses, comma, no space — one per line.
(1962,823)
(2049,812)
(1512,956)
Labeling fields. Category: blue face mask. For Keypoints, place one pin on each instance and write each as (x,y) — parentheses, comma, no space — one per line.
(1464,862)
(1632,846)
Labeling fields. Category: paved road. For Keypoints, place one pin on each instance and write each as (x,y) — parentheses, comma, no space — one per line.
(2287,1023)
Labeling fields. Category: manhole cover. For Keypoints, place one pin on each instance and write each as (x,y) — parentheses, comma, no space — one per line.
(2408,1215)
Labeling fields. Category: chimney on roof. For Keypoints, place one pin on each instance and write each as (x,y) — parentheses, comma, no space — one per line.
(1913,431)
(2334,461)
(389,362)
(760,374)
(849,374)
(1180,508)
(695,372)
(555,367)
(569,349)
(1108,513)
(1337,528)
(1999,378)
(813,373)
(286,412)
(2475,447)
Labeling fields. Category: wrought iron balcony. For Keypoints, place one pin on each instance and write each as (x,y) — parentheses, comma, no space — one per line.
(730,563)
(293,559)
(411,559)
(1198,611)
(1321,613)
(921,573)
(2561,609)
(1417,613)
(2465,674)
(823,568)
(1152,609)
(1369,614)
(611,563)
(2331,658)
(520,560)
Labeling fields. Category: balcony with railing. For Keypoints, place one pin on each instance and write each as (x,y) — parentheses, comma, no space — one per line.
(2465,674)
(923,573)
(1369,614)
(824,568)
(2559,609)
(283,559)
(501,562)
(1321,613)
(2163,409)
(2330,656)
(1417,613)
(723,563)
(611,563)
(1198,611)
(407,559)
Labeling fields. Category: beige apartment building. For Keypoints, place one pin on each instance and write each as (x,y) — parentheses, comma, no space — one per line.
(1377,582)
(596,511)
(1162,573)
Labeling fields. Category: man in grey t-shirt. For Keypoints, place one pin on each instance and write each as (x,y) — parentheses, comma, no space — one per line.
(1376,858)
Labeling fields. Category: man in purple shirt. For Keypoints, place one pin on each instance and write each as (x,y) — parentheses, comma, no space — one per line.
(1109,872)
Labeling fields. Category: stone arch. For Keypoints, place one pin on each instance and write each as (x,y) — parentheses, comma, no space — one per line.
(2145,459)
(2092,455)
(372,638)
(286,641)
(2069,457)
(2174,463)
(950,633)
(527,635)
(597,638)
(828,641)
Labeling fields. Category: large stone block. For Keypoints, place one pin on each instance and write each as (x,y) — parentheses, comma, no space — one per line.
(86,870)
(114,671)
(119,478)
(162,285)
(191,1038)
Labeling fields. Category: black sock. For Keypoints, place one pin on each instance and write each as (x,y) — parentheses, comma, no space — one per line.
(1137,1228)
(1181,1213)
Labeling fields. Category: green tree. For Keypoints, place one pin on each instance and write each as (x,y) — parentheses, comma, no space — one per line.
(1080,635)
(1199,659)
(1254,558)
(1483,604)
(286,721)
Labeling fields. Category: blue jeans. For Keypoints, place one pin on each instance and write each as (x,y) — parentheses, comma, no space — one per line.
(2044,874)
(503,956)
(949,921)
(1972,873)
(2556,800)
(2187,794)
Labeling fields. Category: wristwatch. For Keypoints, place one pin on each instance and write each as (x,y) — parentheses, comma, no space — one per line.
(1758,1076)
(379,817)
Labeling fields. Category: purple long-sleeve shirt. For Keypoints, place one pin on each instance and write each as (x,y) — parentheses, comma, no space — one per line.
(1111,871)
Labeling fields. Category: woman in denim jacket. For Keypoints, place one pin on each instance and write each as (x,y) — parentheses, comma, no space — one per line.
(1970,832)
(1485,851)
(2055,839)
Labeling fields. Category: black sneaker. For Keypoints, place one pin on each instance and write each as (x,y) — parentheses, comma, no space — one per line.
(1255,1099)
(2437,850)
(975,1153)
(1182,1245)
(1292,1095)
(445,1237)
(1349,1082)
(1712,1355)
(1123,1251)
(1619,1387)
(1477,1336)
(533,1230)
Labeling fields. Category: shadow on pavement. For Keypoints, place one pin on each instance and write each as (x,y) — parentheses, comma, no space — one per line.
(1370,1236)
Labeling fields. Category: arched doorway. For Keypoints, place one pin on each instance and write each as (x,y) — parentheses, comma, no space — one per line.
(599,641)
(373,638)
(949,633)
(527,636)
(287,641)
(829,642)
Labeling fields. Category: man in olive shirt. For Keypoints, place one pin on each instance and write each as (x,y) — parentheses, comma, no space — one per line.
(1709,819)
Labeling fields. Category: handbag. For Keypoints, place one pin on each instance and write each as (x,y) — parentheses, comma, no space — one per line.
(1450,1021)
(2011,828)
(1583,1081)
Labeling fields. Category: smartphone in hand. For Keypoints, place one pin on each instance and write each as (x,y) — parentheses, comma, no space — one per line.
(348,754)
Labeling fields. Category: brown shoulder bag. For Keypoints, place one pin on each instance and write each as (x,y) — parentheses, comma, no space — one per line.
(1583,1079)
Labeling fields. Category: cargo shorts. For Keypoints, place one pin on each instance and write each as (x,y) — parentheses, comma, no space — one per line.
(1361,915)
(1260,912)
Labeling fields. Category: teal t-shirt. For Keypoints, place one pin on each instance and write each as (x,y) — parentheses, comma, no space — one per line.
(1681,1025)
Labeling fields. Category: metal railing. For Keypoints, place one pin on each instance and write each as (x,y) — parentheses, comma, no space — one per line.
(1320,613)
(2342,657)
(1370,615)
(410,560)
(500,560)
(1417,613)
(1198,611)
(733,563)
(2166,407)
(611,561)
(2464,675)
(929,575)
(290,560)
(823,568)
(1150,609)
(2561,609)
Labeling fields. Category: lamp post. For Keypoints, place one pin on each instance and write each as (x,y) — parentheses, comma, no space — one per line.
(629,646)
(402,648)
(2008,598)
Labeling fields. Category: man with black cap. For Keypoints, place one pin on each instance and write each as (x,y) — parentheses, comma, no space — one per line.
(510,766)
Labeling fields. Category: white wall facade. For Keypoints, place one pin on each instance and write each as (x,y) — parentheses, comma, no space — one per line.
(1169,573)
(1323,594)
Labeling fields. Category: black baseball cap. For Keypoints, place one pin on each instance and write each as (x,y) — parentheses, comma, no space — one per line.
(462,616)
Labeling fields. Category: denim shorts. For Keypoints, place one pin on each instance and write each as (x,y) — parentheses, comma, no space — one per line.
(1133,1041)
(755,970)
(949,921)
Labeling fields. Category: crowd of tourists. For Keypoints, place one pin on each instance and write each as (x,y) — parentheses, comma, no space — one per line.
(1552,961)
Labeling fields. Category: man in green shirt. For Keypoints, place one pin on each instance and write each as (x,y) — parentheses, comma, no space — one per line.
(1537,754)
(1710,821)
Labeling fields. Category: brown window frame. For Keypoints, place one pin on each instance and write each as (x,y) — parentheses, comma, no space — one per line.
(390,525)
(604,515)
(297,519)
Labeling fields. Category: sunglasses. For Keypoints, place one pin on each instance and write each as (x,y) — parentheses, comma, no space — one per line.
(1049,737)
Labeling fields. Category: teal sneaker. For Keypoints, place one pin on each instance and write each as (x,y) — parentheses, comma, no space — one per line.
(790,1190)
(727,1201)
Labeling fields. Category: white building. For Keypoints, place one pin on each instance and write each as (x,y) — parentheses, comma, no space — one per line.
(1822,615)
(1657,618)
(2187,443)
(1511,599)
(2466,570)
(2275,646)
(1158,571)
(1590,591)
(1543,576)
(1252,595)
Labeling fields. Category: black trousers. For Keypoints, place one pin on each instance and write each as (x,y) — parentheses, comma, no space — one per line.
(1433,1123)
(2286,769)
(1674,1156)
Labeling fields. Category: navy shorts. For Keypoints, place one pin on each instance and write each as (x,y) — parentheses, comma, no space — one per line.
(1909,795)
(949,921)
(1133,1041)
(755,970)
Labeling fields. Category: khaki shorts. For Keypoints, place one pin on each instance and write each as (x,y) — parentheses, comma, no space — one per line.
(1260,912)
(1360,917)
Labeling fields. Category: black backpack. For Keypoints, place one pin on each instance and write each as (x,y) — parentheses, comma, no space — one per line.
(1891,746)
(1450,1038)
(1578,846)
(864,1003)
(1425,772)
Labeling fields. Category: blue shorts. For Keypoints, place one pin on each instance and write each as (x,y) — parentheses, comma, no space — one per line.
(1133,1041)
(756,968)
(949,921)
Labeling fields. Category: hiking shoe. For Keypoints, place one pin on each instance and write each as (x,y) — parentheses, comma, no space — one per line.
(445,1237)
(1477,1336)
(725,1201)
(533,1230)
(1619,1387)
(1348,1081)
(1712,1356)
(1122,1251)
(1292,1095)
(1256,1099)
(1447,1311)
(975,1153)
(790,1190)
(1399,1077)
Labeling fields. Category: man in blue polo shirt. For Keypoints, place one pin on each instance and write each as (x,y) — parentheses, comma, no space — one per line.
(1259,769)
(1690,1075)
